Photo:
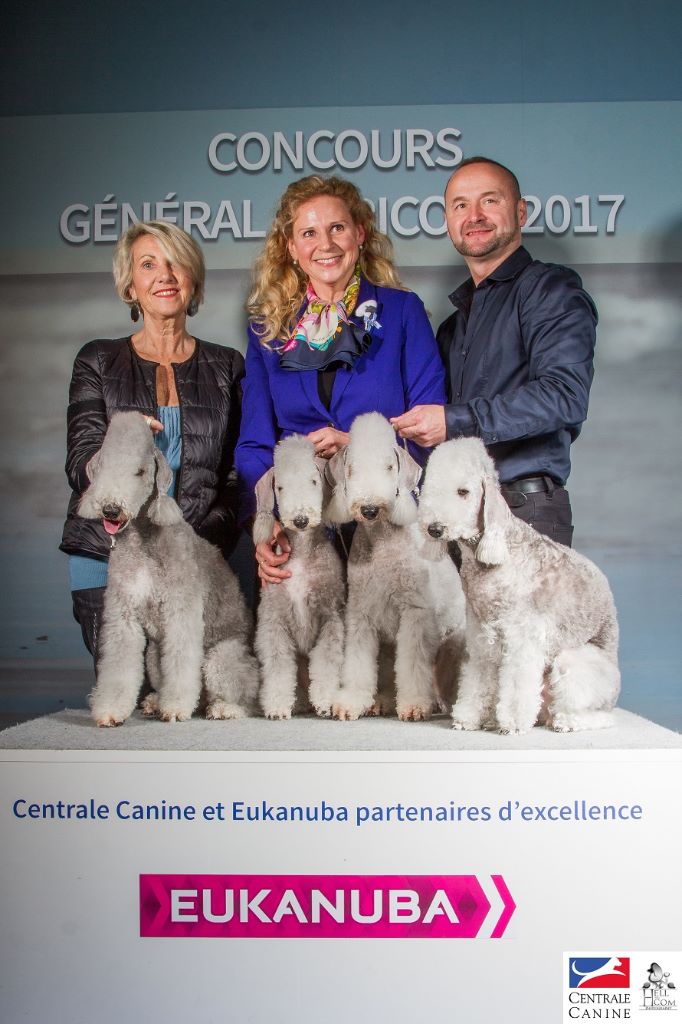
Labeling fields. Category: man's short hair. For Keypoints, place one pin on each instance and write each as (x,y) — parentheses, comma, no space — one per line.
(513,180)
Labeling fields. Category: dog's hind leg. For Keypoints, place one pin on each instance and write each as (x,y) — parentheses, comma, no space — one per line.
(384,702)
(583,687)
(231,680)
(120,668)
(152,663)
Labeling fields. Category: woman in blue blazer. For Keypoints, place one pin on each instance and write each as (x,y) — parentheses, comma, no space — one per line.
(332,334)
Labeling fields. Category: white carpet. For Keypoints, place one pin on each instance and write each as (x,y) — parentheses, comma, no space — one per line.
(75,730)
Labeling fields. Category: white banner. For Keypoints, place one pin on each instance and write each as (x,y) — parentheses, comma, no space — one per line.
(473,876)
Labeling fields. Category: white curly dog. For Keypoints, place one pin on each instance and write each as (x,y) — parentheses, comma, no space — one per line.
(542,633)
(168,590)
(303,615)
(395,595)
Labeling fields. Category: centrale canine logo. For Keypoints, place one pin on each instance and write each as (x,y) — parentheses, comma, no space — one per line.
(599,972)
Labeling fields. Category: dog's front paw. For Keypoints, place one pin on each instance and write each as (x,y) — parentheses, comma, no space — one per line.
(382,706)
(469,721)
(512,729)
(351,703)
(413,712)
(220,710)
(346,710)
(563,723)
(107,719)
(175,714)
(277,714)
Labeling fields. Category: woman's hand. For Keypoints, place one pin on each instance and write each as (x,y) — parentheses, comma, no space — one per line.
(328,441)
(154,425)
(269,563)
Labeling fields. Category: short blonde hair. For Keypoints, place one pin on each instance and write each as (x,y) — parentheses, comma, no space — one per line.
(178,246)
(280,285)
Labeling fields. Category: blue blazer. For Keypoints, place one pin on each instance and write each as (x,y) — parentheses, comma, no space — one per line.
(400,369)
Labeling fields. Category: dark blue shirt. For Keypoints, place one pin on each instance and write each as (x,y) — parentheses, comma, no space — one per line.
(518,355)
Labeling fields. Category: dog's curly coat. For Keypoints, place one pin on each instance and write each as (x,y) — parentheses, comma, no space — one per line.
(395,595)
(168,590)
(303,615)
(542,633)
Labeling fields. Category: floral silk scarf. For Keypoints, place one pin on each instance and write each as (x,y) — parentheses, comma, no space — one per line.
(322,321)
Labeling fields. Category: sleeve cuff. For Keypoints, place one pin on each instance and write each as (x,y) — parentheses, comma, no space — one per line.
(459,422)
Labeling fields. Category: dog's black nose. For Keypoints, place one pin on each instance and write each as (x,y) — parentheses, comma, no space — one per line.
(436,530)
(111,511)
(369,511)
(300,522)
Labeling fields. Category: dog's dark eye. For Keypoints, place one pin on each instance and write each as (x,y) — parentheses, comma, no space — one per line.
(389,467)
(462,491)
(279,489)
(314,482)
(140,471)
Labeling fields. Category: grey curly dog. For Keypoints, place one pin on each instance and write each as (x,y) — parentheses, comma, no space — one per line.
(169,592)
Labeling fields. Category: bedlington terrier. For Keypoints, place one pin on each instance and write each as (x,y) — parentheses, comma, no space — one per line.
(303,615)
(542,633)
(395,595)
(167,588)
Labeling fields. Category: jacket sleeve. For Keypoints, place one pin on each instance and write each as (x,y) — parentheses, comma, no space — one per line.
(220,525)
(422,369)
(558,322)
(259,432)
(86,416)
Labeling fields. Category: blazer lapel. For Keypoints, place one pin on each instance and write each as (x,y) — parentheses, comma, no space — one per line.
(344,377)
(308,380)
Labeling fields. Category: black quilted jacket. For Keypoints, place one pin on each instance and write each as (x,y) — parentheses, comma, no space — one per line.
(108,377)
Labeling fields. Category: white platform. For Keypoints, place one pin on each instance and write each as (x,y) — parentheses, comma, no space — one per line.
(75,730)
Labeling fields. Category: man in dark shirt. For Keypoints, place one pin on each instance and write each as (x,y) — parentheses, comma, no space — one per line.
(517,350)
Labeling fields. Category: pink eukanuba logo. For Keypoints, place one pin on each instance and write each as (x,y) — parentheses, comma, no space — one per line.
(319,906)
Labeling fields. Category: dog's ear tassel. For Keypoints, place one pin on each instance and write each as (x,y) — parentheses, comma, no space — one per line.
(265,505)
(336,509)
(409,472)
(92,466)
(492,548)
(163,510)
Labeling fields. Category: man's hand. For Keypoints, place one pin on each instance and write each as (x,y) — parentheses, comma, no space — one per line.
(424,424)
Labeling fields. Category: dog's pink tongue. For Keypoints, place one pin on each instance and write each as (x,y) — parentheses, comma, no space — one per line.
(111,527)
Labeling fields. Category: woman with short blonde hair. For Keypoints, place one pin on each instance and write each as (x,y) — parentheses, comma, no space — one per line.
(179,247)
(188,390)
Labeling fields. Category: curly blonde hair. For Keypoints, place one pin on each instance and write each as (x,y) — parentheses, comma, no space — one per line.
(280,285)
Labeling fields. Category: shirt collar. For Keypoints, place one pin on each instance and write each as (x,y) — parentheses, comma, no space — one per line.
(507,271)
